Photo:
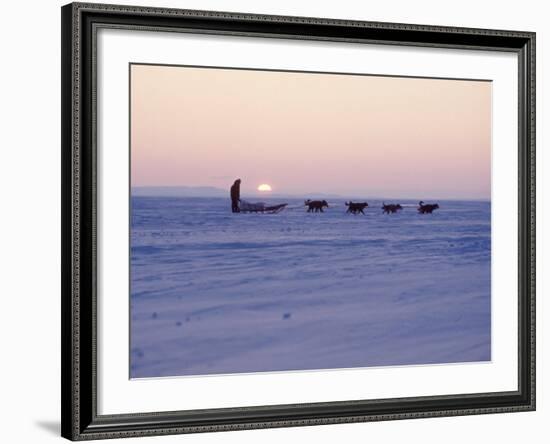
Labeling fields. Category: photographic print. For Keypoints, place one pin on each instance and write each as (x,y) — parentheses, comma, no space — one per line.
(291,221)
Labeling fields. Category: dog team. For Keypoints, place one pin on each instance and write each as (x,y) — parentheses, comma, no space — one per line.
(316,206)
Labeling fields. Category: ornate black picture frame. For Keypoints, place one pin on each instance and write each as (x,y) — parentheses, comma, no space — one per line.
(80,419)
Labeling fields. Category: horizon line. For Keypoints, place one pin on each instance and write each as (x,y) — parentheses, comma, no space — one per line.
(324,195)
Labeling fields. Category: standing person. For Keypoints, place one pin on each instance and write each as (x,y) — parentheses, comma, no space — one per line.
(235,193)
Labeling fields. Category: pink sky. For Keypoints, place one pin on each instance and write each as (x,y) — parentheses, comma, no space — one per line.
(304,132)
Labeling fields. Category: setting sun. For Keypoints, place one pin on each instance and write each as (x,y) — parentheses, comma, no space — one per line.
(264,187)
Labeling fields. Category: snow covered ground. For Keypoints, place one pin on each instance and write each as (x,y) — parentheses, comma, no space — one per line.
(214,292)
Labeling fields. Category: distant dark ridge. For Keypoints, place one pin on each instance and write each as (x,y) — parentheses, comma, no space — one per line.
(207,191)
(179,192)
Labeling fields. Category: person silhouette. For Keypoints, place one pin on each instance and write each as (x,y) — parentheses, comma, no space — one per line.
(235,193)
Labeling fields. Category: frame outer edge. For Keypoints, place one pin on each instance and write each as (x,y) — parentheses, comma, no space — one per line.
(70,91)
(72,398)
(66,240)
(532,207)
(77,425)
(234,15)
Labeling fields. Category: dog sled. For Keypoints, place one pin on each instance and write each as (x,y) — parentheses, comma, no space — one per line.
(260,207)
